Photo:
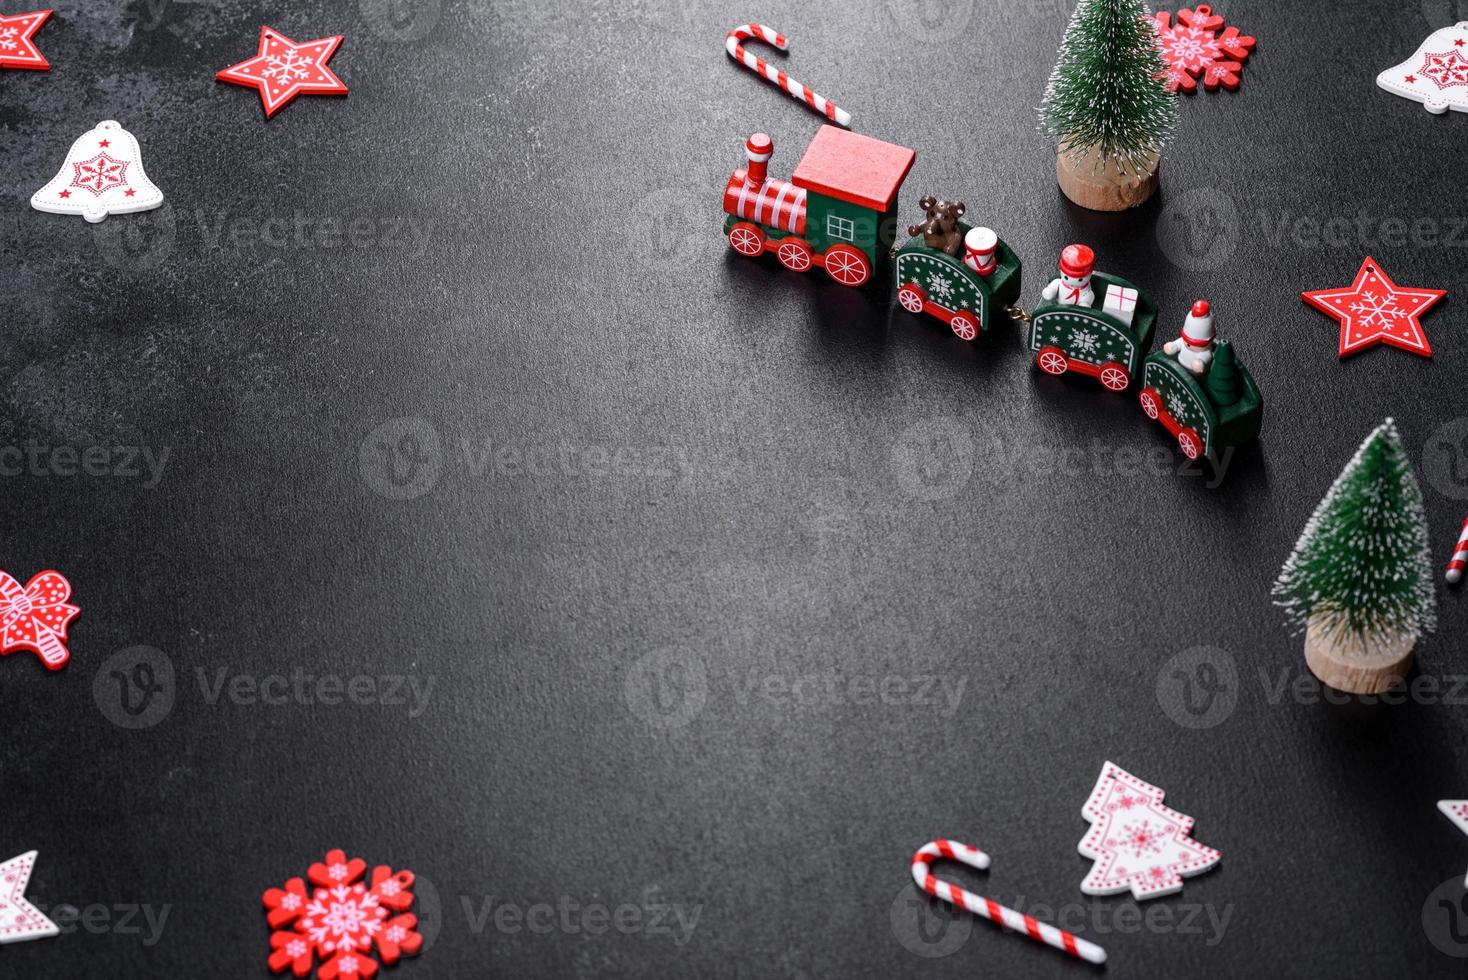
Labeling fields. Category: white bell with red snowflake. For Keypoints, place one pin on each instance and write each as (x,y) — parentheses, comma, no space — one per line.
(1437,75)
(103,174)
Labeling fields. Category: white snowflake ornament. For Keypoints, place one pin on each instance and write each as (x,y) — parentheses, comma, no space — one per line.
(103,174)
(1437,75)
(1137,843)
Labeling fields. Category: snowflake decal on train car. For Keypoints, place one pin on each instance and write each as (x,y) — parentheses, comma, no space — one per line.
(941,287)
(345,923)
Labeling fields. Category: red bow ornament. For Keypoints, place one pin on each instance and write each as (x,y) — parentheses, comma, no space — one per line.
(35,617)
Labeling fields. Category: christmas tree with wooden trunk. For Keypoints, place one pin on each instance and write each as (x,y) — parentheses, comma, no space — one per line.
(1360,579)
(1108,106)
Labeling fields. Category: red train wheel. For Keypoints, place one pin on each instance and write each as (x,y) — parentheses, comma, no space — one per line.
(747,239)
(795,254)
(912,297)
(1189,443)
(1052,361)
(1151,403)
(848,265)
(964,324)
(1114,377)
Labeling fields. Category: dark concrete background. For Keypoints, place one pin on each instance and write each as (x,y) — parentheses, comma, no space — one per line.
(733,587)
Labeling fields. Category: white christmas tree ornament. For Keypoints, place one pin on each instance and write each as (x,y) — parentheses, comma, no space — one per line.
(1136,842)
(1437,75)
(103,174)
(19,919)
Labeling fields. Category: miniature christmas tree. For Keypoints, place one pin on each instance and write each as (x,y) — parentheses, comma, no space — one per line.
(1108,106)
(1225,385)
(1360,579)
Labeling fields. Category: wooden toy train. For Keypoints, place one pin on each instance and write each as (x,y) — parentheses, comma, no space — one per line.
(841,201)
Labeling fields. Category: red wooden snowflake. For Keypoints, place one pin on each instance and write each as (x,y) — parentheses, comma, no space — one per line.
(1192,49)
(342,921)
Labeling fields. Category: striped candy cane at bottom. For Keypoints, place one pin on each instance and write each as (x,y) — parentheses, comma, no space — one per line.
(758,65)
(1460,558)
(991,910)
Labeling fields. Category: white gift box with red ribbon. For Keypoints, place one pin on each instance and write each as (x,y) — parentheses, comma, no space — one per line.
(1120,303)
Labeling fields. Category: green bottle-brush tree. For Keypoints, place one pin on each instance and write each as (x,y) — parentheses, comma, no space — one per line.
(1362,570)
(1107,94)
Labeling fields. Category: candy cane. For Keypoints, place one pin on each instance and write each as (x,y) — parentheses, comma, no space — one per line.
(757,65)
(993,911)
(1460,558)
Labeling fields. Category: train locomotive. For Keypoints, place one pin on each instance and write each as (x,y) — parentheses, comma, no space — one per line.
(841,202)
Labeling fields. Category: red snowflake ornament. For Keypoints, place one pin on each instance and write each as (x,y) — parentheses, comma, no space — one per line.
(1374,310)
(17,47)
(342,921)
(1136,842)
(283,69)
(1192,49)
(35,617)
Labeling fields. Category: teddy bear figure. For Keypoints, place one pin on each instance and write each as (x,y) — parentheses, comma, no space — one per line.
(941,230)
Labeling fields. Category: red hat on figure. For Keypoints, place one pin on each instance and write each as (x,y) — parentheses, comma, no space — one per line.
(1198,327)
(1077,261)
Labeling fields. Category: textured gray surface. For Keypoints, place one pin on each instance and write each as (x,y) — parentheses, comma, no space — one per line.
(684,538)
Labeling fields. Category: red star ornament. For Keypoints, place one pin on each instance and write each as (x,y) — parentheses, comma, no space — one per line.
(284,69)
(17,50)
(1374,310)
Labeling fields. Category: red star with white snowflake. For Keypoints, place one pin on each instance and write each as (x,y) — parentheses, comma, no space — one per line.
(17,49)
(283,69)
(1374,310)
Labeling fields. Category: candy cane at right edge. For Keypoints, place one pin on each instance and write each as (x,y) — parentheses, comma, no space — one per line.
(1460,558)
(757,65)
(993,911)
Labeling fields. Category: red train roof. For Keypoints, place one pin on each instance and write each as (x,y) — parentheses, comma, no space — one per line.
(853,168)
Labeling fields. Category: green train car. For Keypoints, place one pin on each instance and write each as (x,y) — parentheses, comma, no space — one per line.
(933,282)
(1090,341)
(1206,413)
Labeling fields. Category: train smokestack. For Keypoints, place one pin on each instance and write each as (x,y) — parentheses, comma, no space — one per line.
(759,149)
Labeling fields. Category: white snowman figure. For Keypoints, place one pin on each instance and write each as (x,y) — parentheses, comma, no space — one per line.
(1073,288)
(1194,347)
